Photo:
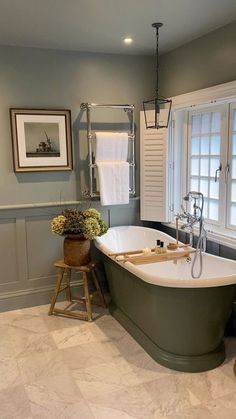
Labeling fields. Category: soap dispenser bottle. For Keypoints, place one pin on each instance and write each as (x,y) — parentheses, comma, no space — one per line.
(162,248)
(158,247)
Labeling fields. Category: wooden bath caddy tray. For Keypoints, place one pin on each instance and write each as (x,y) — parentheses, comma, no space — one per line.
(137,257)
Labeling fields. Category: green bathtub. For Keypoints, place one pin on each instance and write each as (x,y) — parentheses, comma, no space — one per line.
(181,327)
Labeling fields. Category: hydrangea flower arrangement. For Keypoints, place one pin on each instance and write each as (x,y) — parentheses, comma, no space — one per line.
(87,224)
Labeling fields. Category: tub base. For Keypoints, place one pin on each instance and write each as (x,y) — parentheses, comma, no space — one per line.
(184,363)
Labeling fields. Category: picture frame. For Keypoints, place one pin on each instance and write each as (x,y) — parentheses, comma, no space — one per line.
(41,139)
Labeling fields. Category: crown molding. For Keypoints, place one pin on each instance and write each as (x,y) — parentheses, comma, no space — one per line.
(219,93)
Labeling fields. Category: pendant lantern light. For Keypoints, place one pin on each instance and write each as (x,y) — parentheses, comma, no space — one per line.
(157,110)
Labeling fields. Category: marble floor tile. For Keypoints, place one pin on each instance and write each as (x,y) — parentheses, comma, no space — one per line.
(195,412)
(171,395)
(6,347)
(109,328)
(73,336)
(101,412)
(29,322)
(7,317)
(54,323)
(9,373)
(223,407)
(209,385)
(42,365)
(105,378)
(126,345)
(78,410)
(146,368)
(87,354)
(134,401)
(56,396)
(99,333)
(25,342)
(14,403)
(61,368)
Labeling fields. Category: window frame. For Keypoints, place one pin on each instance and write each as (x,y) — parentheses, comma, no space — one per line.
(215,95)
(199,110)
(228,171)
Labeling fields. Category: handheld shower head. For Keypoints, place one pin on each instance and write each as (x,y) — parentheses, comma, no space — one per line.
(198,202)
(193,195)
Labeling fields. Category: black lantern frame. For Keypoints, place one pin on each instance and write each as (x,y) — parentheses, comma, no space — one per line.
(157,110)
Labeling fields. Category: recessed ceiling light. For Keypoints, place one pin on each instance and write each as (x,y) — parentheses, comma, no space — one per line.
(128,40)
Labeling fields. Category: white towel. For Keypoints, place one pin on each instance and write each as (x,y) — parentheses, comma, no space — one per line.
(111,146)
(113,182)
(113,169)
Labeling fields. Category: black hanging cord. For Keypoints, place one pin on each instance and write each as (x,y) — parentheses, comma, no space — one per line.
(157,26)
(157,63)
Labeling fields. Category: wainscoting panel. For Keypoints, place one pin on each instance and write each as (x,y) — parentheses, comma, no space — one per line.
(28,249)
(9,278)
(43,247)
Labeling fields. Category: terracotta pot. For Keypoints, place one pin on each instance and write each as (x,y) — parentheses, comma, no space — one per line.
(76,250)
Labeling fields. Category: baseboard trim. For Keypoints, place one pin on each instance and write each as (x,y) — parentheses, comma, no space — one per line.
(29,297)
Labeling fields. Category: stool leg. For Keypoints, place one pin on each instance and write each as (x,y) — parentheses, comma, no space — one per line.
(57,291)
(98,288)
(87,297)
(68,289)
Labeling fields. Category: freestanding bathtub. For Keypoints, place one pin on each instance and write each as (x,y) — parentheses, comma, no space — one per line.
(178,320)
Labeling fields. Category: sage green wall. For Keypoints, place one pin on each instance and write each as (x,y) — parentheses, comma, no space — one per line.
(55,79)
(48,78)
(204,62)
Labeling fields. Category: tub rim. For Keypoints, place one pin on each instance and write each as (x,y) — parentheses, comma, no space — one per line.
(167,281)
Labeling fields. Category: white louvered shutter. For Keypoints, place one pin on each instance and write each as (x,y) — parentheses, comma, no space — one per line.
(154,173)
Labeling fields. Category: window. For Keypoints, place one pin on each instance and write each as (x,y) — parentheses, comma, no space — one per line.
(231,169)
(207,136)
(206,145)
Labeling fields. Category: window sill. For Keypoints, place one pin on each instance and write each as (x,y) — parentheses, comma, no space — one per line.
(224,239)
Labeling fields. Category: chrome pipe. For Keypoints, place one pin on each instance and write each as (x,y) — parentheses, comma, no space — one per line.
(133,150)
(93,165)
(130,137)
(90,137)
(84,106)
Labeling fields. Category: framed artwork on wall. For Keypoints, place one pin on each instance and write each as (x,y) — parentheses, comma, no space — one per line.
(41,139)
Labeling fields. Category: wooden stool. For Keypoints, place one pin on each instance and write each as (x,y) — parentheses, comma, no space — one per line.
(63,283)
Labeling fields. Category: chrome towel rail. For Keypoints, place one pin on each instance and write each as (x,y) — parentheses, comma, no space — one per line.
(129,109)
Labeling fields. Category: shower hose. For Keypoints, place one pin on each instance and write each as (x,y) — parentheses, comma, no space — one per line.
(201,247)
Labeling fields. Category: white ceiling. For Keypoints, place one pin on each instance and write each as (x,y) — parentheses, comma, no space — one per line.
(100,25)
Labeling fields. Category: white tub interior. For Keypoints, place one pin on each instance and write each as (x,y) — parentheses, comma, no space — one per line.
(217,271)
(119,239)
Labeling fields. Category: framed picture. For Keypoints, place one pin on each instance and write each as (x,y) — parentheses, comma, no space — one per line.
(41,140)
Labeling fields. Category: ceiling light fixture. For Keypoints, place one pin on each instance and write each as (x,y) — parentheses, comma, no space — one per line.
(157,110)
(128,40)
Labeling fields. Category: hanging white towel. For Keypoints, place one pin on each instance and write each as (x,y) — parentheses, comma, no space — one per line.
(113,182)
(113,169)
(111,146)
